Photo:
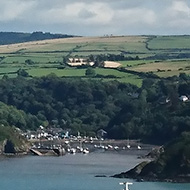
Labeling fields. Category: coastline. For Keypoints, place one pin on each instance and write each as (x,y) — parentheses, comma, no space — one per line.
(117,146)
(136,174)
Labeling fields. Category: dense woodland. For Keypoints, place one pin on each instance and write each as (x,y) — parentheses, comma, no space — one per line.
(123,110)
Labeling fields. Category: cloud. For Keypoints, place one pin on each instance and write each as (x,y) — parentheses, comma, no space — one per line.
(136,16)
(89,17)
(97,13)
(79,12)
(14,9)
(85,14)
(178,15)
(179,7)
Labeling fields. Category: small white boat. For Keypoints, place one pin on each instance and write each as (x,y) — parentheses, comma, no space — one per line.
(139,147)
(86,151)
(106,148)
(79,149)
(72,150)
(126,184)
(116,147)
(128,146)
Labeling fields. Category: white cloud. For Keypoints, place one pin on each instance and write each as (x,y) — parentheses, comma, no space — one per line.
(136,16)
(103,14)
(89,17)
(178,15)
(180,7)
(14,9)
(83,13)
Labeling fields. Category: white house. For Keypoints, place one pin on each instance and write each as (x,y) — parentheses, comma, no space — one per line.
(183,98)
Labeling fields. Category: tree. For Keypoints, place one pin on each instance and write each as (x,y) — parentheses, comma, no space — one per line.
(65,60)
(143,101)
(29,62)
(90,72)
(22,72)
(183,76)
(5,77)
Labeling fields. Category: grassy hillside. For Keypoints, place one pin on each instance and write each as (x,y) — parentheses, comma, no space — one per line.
(162,55)
(169,43)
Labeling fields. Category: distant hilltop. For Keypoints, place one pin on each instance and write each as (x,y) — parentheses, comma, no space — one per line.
(19,37)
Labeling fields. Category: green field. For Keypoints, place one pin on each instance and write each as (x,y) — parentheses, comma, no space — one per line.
(135,63)
(169,42)
(8,69)
(120,76)
(165,68)
(47,56)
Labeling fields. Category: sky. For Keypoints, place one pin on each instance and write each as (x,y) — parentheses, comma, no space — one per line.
(96,18)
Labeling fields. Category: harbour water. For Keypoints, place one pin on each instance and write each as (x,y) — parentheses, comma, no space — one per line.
(73,172)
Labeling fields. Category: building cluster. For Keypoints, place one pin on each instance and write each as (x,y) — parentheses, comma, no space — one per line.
(47,134)
(166,100)
(54,133)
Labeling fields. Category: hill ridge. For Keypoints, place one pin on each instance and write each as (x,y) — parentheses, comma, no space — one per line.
(20,37)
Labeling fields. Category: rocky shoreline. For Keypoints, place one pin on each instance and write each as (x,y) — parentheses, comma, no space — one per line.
(137,174)
(170,164)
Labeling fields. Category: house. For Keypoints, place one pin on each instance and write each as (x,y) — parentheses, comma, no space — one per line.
(101,133)
(183,98)
(134,95)
(164,100)
(30,135)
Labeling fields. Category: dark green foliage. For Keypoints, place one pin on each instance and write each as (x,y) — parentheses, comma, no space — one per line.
(11,116)
(11,134)
(173,163)
(153,112)
(22,73)
(18,37)
(11,140)
(99,59)
(90,72)
(29,62)
(84,106)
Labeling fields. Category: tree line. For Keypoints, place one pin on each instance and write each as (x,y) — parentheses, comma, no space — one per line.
(19,37)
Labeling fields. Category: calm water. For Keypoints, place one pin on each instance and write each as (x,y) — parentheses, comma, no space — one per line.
(72,172)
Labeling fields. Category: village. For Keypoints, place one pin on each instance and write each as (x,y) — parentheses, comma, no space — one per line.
(57,141)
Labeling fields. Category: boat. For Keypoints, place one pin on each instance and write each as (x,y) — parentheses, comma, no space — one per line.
(72,150)
(86,151)
(126,184)
(139,147)
(128,145)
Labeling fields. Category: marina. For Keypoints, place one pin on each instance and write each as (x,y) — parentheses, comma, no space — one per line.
(42,144)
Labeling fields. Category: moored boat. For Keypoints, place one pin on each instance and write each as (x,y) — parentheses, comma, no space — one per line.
(126,184)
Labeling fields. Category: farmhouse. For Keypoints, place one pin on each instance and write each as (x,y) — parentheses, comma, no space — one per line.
(78,62)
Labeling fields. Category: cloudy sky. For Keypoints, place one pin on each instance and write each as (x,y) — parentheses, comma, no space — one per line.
(96,17)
